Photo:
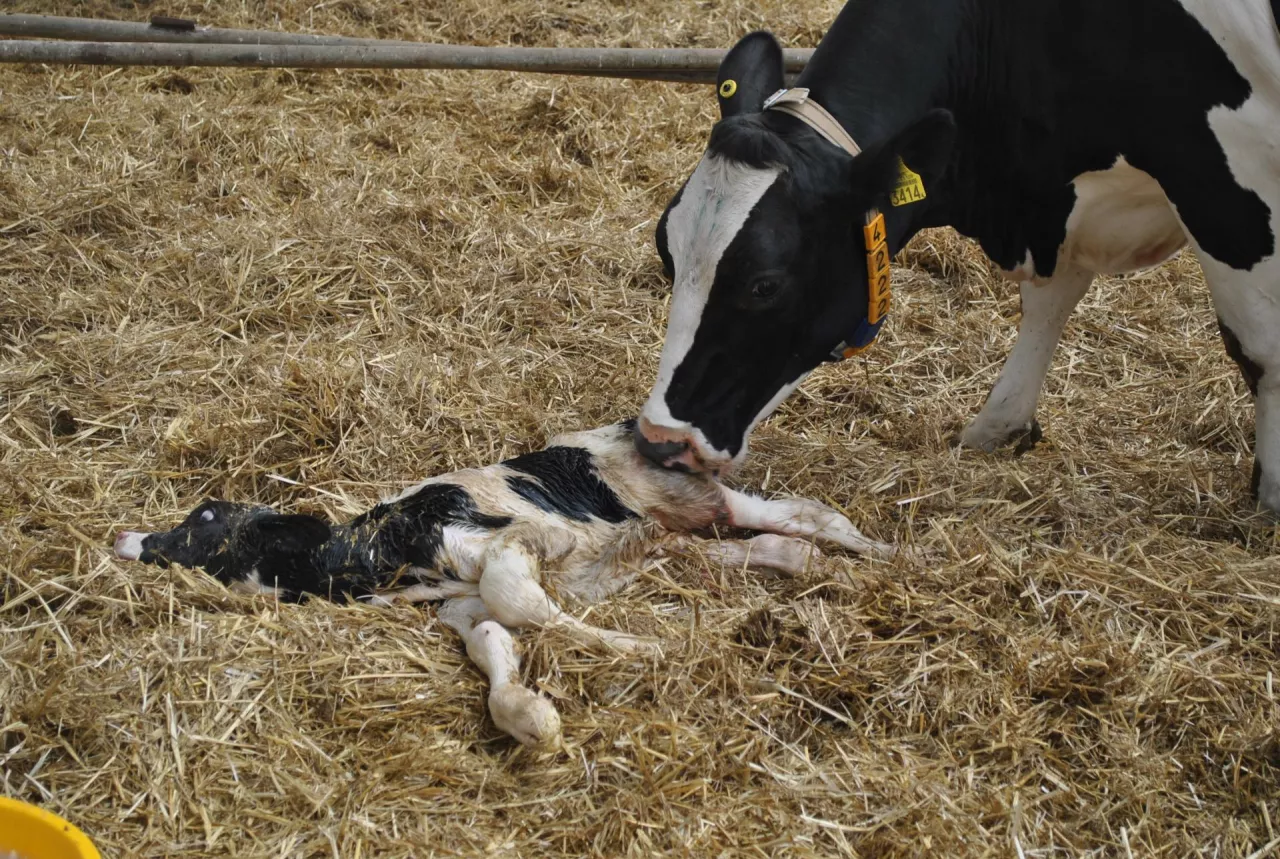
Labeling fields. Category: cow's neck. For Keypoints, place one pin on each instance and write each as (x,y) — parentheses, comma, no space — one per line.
(885,63)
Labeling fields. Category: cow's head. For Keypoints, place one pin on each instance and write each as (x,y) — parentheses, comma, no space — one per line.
(764,244)
(249,547)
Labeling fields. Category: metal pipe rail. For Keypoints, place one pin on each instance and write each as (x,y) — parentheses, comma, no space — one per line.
(175,42)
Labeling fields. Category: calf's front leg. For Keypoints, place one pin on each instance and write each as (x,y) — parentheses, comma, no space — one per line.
(788,555)
(800,517)
(516,709)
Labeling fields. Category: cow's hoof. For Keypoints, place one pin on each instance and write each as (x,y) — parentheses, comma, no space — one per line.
(525,715)
(981,436)
(1267,492)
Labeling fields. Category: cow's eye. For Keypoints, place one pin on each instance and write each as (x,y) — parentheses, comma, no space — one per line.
(765,288)
(207,516)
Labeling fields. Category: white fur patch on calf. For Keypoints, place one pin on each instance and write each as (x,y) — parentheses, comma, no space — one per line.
(252,584)
(129,545)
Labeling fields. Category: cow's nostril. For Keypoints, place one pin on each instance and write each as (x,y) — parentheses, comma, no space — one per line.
(658,452)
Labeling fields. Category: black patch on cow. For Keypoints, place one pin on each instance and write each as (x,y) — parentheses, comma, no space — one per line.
(564,481)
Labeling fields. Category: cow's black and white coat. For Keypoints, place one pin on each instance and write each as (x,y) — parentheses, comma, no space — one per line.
(579,515)
(1070,138)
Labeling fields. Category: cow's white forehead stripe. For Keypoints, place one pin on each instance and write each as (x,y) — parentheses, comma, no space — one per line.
(716,202)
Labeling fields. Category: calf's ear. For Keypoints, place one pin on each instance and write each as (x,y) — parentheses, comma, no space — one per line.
(751,72)
(290,534)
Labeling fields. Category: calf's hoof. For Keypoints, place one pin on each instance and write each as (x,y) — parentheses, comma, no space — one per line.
(987,437)
(624,643)
(525,715)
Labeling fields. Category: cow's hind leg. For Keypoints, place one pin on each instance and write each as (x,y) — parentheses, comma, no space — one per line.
(800,517)
(1010,411)
(1248,306)
(1252,373)
(509,586)
(516,709)
(1247,344)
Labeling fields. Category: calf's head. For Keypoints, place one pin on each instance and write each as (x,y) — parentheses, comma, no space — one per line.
(245,546)
(764,243)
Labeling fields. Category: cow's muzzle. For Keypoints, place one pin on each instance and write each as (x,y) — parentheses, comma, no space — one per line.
(674,449)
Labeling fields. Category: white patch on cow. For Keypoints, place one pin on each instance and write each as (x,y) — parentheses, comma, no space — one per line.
(1248,302)
(252,584)
(1024,272)
(129,545)
(716,202)
(1121,222)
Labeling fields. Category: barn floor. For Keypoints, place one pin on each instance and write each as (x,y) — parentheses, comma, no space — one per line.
(311,289)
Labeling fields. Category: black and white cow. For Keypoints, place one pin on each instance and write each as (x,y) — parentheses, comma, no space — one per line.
(578,515)
(1070,138)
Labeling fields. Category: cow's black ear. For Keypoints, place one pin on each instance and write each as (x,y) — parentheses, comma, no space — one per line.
(924,147)
(751,72)
(290,534)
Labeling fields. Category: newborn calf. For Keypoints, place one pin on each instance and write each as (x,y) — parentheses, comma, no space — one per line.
(578,515)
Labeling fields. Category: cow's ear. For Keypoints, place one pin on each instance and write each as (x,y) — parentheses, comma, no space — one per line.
(923,148)
(751,72)
(289,534)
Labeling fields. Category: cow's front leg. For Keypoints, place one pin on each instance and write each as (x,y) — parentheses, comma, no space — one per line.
(800,517)
(510,587)
(516,709)
(1010,411)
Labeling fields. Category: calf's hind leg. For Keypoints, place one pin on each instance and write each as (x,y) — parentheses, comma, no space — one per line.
(510,588)
(516,709)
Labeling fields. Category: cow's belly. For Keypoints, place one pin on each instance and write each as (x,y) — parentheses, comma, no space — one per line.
(1122,222)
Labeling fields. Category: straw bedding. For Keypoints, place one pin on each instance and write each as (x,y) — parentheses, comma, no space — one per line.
(311,289)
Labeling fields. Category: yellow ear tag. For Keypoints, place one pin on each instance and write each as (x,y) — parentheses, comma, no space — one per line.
(910,187)
(728,88)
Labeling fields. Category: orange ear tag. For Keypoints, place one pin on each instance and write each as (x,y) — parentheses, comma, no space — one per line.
(879,281)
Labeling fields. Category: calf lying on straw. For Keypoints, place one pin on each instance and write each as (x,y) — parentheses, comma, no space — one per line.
(580,513)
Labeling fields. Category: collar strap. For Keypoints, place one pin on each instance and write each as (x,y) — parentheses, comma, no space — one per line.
(797,103)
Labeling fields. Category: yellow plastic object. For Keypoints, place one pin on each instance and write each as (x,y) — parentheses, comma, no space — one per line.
(34,833)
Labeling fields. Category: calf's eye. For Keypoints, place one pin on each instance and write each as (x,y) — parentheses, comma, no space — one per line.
(206,516)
